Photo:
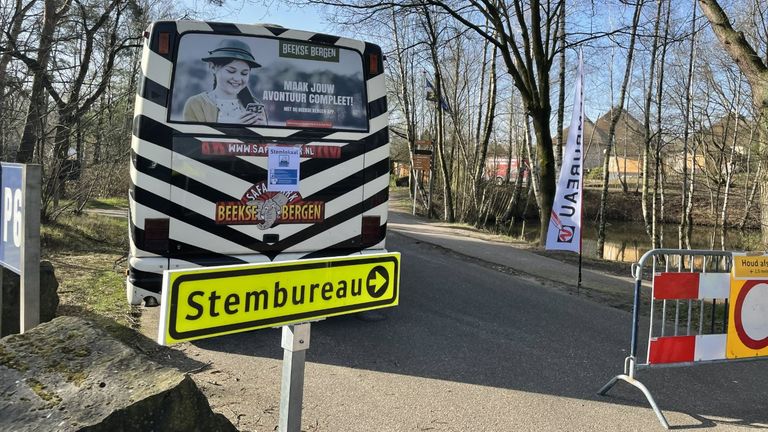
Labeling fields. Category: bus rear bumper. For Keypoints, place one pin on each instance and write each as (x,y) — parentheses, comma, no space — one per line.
(145,280)
(137,296)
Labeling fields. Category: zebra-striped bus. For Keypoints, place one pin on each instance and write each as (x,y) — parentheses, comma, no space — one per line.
(254,143)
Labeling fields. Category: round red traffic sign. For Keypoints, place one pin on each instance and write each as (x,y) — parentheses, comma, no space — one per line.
(751,314)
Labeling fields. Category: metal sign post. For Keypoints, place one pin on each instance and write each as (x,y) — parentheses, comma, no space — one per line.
(295,343)
(30,250)
(421,162)
(415,181)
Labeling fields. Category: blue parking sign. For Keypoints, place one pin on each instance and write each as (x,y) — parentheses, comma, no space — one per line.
(11,216)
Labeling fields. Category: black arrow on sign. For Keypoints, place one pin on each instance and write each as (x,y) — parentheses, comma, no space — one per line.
(377,281)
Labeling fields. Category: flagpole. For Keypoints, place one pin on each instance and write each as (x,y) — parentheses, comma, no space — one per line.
(578,283)
(566,222)
(581,186)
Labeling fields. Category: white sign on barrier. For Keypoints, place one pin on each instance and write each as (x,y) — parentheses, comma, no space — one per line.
(748,309)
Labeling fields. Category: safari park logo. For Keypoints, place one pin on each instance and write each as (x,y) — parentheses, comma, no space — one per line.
(268,209)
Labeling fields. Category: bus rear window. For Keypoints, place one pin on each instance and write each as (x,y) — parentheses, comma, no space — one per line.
(267,82)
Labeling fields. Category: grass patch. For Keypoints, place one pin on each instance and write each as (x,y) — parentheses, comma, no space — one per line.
(400,199)
(115,203)
(84,233)
(93,283)
(88,252)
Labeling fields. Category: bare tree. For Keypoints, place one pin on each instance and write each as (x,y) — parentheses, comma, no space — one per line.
(9,37)
(612,130)
(487,130)
(53,13)
(560,94)
(688,184)
(404,93)
(443,159)
(649,217)
(658,189)
(756,72)
(525,34)
(69,80)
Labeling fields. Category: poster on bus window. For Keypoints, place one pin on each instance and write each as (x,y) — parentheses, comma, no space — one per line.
(256,81)
(283,168)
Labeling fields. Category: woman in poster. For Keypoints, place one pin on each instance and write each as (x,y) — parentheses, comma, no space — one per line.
(230,101)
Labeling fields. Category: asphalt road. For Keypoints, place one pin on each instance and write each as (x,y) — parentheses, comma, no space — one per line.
(472,349)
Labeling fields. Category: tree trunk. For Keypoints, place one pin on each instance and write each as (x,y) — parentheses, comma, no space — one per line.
(514,140)
(490,114)
(540,120)
(689,205)
(534,175)
(561,95)
(750,198)
(406,102)
(762,178)
(476,163)
(729,167)
(448,210)
(61,145)
(684,228)
(658,188)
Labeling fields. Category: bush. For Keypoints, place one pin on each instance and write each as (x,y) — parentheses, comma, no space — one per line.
(594,174)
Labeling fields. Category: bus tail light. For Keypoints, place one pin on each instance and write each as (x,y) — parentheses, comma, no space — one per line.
(371,229)
(164,43)
(156,235)
(373,64)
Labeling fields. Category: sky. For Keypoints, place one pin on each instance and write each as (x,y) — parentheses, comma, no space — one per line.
(314,18)
(308,18)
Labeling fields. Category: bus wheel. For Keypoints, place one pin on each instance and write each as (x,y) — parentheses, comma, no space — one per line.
(150,301)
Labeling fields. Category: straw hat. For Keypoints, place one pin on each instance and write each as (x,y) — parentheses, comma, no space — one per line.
(232,49)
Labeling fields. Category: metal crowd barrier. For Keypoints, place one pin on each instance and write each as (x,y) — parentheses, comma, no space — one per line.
(688,313)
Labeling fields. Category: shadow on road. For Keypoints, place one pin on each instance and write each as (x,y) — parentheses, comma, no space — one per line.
(461,322)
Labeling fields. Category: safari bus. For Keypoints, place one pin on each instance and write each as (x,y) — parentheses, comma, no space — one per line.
(254,143)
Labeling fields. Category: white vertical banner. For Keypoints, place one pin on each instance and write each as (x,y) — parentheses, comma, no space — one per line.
(564,231)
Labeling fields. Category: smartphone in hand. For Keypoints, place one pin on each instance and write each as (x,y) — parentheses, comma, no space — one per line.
(255,108)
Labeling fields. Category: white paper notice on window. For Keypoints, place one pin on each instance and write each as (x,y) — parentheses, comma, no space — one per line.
(283,168)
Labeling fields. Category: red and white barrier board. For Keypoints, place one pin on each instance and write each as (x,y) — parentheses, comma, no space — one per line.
(746,289)
(689,286)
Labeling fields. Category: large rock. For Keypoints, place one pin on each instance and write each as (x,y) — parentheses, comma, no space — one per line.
(70,375)
(49,297)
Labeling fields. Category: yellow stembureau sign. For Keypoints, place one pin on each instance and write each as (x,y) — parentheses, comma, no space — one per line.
(213,301)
